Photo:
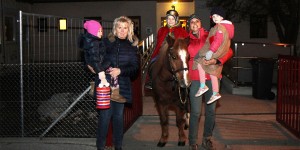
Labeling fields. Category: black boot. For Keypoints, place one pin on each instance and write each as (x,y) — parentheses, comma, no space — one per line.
(193,147)
(148,85)
(207,144)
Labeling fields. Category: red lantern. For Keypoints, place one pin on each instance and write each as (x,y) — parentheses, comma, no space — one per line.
(103,97)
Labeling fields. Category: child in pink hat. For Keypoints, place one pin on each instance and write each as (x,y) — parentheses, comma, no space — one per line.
(93,27)
(94,51)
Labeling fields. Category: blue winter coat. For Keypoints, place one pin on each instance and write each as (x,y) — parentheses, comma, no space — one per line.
(122,54)
(94,52)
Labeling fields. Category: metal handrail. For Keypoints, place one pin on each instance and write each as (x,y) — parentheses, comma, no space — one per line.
(238,62)
(147,47)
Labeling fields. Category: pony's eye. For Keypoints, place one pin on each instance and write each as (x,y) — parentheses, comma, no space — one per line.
(174,57)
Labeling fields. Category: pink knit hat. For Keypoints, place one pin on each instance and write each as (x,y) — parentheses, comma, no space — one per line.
(92,27)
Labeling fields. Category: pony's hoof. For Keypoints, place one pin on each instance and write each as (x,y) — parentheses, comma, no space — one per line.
(181,143)
(161,144)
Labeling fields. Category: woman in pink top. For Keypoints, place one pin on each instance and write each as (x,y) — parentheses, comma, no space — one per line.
(198,36)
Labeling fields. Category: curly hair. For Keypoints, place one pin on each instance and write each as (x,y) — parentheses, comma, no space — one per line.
(124,19)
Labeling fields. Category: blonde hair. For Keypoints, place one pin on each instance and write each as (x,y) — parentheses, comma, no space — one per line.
(124,19)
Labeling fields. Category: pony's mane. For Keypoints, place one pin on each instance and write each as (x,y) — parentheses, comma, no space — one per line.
(163,51)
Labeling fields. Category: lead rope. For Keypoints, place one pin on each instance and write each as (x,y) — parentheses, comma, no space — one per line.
(186,93)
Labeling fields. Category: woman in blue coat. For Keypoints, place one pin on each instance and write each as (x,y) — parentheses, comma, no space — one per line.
(122,53)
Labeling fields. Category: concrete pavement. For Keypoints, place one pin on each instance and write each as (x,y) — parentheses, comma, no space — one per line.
(242,123)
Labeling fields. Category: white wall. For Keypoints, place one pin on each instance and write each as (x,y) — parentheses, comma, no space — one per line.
(203,12)
(242,30)
(150,12)
(242,33)
(106,10)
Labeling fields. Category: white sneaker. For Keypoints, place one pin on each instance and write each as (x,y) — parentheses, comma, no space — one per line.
(214,98)
(201,91)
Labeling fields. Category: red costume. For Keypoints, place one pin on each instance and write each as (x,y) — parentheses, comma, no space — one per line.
(177,31)
(173,29)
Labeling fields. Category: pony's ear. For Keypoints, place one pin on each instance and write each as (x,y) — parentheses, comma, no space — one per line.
(170,40)
(187,39)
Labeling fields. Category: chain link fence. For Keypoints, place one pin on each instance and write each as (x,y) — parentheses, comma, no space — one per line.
(47,93)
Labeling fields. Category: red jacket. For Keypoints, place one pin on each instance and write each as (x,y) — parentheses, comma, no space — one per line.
(163,32)
(194,46)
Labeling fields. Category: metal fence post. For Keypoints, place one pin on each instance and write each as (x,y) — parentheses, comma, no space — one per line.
(21,73)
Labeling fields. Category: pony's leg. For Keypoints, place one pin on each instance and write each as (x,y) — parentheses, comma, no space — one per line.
(180,123)
(164,124)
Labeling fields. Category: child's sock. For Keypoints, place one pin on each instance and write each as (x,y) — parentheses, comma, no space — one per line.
(202,85)
(215,93)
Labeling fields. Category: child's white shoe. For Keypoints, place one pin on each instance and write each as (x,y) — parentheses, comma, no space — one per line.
(201,91)
(214,98)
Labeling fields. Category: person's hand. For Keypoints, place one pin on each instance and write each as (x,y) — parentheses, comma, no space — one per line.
(103,80)
(115,72)
(210,62)
(208,55)
(197,56)
(91,69)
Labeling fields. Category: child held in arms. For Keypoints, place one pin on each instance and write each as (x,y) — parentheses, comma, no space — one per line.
(217,45)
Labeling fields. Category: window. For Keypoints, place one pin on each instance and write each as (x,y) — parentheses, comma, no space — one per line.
(9,29)
(42,25)
(136,25)
(258,26)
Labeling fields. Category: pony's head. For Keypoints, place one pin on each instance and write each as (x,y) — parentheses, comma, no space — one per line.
(178,58)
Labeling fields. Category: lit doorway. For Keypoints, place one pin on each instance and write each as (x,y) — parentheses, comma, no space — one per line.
(183,22)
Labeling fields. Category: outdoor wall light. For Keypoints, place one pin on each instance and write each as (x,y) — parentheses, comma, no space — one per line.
(174,2)
(281,44)
(62,24)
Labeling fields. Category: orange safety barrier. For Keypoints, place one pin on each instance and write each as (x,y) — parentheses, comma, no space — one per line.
(288,93)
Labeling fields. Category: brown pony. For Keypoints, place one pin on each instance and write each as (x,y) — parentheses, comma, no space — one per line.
(170,81)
